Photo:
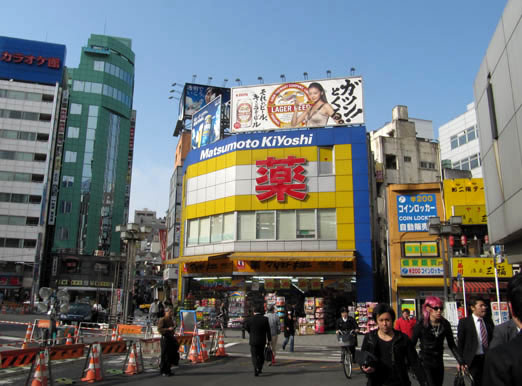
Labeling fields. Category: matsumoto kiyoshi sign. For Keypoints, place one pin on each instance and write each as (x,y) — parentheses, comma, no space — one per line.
(413,211)
(328,102)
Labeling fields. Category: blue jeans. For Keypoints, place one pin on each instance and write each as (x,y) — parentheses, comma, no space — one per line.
(287,338)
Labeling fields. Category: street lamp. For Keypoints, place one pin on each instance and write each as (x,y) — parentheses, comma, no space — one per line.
(130,234)
(444,229)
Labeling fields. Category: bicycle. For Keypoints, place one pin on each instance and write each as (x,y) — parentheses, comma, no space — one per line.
(345,340)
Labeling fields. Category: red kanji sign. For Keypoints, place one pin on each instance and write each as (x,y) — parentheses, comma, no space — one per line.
(277,177)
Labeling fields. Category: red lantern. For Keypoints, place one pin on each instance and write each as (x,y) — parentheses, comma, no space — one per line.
(463,240)
(486,239)
(451,241)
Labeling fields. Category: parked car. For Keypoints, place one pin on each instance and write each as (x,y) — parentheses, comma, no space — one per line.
(78,312)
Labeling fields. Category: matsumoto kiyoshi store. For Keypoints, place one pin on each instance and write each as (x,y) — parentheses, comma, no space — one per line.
(278,217)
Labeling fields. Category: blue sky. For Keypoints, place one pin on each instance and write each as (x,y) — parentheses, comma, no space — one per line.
(423,54)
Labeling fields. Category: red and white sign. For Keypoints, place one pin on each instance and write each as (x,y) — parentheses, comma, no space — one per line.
(163,243)
(278,176)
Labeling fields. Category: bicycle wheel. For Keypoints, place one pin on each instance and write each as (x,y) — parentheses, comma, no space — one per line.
(347,363)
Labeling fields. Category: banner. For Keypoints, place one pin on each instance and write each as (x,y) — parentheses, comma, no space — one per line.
(206,124)
(327,102)
(163,243)
(421,267)
(413,211)
(480,267)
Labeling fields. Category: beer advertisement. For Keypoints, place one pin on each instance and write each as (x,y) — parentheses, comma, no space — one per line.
(206,124)
(309,104)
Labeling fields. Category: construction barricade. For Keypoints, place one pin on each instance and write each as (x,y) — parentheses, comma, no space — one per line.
(40,374)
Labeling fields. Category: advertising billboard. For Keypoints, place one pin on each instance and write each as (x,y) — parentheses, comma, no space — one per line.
(321,103)
(415,210)
(206,124)
(195,96)
(31,61)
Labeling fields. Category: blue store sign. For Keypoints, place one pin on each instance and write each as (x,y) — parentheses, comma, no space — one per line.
(413,211)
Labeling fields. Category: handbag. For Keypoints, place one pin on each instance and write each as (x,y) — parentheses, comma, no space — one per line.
(463,378)
(268,353)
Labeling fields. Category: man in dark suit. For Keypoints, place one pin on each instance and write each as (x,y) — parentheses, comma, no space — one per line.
(504,333)
(503,364)
(474,336)
(259,330)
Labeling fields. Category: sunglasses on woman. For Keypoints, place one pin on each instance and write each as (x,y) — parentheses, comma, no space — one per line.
(436,308)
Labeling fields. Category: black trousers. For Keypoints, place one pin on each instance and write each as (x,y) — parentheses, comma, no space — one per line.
(169,353)
(476,369)
(435,374)
(258,356)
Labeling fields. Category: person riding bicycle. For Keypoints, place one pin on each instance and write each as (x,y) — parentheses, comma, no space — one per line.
(347,326)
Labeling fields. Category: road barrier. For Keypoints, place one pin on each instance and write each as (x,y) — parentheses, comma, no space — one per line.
(15,358)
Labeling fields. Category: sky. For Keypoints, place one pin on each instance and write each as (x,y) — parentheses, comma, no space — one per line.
(422,54)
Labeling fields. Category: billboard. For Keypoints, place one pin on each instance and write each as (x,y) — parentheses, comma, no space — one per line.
(195,96)
(414,210)
(31,61)
(465,197)
(328,102)
(206,124)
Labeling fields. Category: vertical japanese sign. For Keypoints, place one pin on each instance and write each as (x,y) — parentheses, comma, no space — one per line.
(206,124)
(413,211)
(163,243)
(328,102)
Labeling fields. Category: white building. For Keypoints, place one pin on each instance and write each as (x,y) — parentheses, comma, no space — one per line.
(459,143)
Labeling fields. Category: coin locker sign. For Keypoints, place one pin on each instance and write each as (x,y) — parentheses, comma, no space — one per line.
(421,267)
(413,211)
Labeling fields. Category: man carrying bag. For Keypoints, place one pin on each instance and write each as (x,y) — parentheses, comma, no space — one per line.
(169,344)
(275,329)
(259,331)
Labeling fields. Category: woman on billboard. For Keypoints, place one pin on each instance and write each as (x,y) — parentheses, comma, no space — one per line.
(316,113)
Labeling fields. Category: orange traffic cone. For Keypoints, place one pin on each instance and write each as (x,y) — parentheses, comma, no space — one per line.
(193,353)
(27,338)
(76,334)
(40,377)
(114,336)
(221,347)
(69,339)
(93,371)
(132,366)
(203,353)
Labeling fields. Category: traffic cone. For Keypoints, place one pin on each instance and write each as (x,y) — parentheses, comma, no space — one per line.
(69,340)
(114,336)
(40,377)
(193,353)
(27,338)
(221,347)
(76,334)
(92,374)
(97,360)
(203,353)
(132,366)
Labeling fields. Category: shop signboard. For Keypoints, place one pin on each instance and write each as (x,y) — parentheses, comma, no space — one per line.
(285,283)
(303,284)
(216,284)
(421,248)
(295,267)
(269,284)
(281,177)
(32,61)
(206,124)
(483,267)
(315,284)
(499,312)
(421,267)
(414,210)
(320,103)
(459,193)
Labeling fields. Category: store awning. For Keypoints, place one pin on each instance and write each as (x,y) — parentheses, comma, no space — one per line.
(420,282)
(483,287)
(318,256)
(196,258)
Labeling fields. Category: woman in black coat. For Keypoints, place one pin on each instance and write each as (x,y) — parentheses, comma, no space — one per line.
(431,331)
(289,323)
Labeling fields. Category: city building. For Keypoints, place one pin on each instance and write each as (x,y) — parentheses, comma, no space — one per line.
(314,242)
(459,143)
(400,157)
(498,98)
(94,177)
(31,85)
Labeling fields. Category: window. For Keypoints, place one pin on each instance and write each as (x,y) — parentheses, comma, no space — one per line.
(67,181)
(34,199)
(474,161)
(391,161)
(32,221)
(471,133)
(325,160)
(75,108)
(5,197)
(35,177)
(90,134)
(246,229)
(98,65)
(464,164)
(13,243)
(456,165)
(47,98)
(19,198)
(427,165)
(63,233)
(91,122)
(65,206)
(70,156)
(93,111)
(462,139)
(78,85)
(327,224)
(29,243)
(229,225)
(305,224)
(216,228)
(39,157)
(265,225)
(204,230)
(73,132)
(17,220)
(454,142)
(193,230)
(42,137)
(96,88)
(407,158)
(286,225)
